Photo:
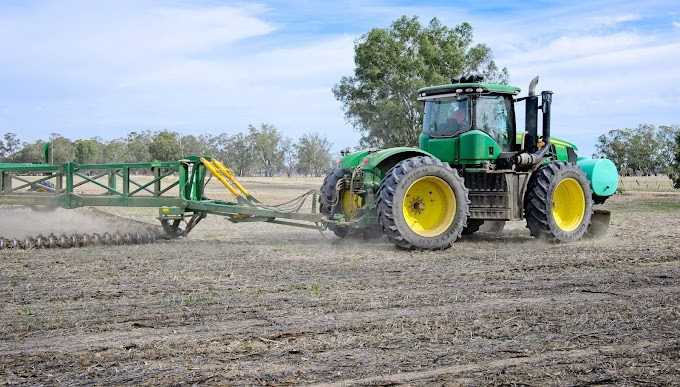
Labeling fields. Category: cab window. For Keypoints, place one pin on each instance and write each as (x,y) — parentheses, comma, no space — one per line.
(446,117)
(493,117)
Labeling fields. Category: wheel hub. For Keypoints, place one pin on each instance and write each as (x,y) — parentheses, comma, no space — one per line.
(417,205)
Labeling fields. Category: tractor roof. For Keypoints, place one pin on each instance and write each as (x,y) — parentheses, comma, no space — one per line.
(461,88)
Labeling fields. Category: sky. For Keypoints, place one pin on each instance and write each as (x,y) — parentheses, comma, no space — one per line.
(95,68)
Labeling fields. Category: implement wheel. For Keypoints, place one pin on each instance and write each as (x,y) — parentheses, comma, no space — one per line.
(423,204)
(338,200)
(558,204)
(42,189)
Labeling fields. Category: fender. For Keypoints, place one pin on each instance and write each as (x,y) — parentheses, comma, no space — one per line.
(384,159)
(353,159)
(375,163)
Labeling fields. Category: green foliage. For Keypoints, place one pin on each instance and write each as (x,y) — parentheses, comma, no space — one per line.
(116,151)
(138,145)
(165,146)
(266,147)
(238,156)
(313,155)
(392,64)
(30,153)
(63,149)
(9,145)
(674,170)
(644,150)
(87,151)
(289,156)
(193,146)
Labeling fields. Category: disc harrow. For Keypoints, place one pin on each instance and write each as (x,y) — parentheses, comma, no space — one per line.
(65,241)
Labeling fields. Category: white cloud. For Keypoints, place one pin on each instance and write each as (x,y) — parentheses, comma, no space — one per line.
(100,39)
(613,20)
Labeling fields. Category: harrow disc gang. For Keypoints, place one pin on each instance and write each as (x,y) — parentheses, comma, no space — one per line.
(78,240)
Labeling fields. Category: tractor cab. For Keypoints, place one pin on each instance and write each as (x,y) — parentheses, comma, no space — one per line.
(469,122)
(450,116)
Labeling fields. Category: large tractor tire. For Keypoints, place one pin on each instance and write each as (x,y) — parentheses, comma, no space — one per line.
(558,204)
(338,201)
(423,204)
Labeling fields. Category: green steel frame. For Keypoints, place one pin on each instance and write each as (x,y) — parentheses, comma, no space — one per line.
(176,188)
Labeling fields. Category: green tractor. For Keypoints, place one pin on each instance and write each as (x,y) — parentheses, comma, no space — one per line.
(472,167)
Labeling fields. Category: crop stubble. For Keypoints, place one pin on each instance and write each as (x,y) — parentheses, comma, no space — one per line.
(260,304)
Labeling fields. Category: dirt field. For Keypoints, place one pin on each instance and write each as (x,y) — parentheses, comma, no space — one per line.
(261,304)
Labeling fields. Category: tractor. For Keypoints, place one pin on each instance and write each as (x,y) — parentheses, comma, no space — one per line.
(472,166)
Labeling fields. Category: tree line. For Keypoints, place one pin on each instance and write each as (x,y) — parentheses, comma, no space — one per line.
(261,151)
(645,150)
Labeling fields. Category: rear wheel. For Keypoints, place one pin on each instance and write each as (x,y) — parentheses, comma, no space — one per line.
(558,206)
(422,204)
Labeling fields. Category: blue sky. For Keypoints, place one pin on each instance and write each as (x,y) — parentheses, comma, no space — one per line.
(85,68)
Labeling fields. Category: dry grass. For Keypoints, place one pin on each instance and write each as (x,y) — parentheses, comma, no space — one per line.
(659,183)
(261,304)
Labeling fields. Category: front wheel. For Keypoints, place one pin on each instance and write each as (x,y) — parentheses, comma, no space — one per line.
(558,203)
(422,204)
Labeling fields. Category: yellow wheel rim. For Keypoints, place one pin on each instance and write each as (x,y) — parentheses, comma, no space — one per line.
(568,204)
(429,206)
(350,203)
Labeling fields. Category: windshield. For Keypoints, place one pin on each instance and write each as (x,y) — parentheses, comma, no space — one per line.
(446,117)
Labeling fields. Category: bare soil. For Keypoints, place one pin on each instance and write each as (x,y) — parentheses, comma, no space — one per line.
(263,304)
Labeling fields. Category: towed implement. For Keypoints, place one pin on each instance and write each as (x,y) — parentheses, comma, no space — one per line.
(473,166)
(176,188)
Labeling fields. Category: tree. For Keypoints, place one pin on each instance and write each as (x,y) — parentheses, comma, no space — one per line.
(666,141)
(313,154)
(379,100)
(193,146)
(10,145)
(116,151)
(674,170)
(238,154)
(30,153)
(165,146)
(87,151)
(138,145)
(62,149)
(217,146)
(265,143)
(290,159)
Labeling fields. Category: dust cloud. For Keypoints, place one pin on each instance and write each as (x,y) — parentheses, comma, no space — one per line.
(22,222)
